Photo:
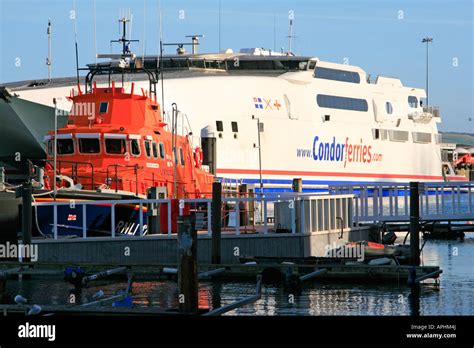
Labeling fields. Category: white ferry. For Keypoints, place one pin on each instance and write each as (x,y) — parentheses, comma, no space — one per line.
(264,118)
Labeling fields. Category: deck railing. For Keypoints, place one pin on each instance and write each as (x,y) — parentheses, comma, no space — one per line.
(391,201)
(295,213)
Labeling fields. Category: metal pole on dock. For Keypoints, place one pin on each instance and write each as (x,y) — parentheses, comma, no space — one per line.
(153,216)
(216,223)
(187,266)
(414,224)
(26,222)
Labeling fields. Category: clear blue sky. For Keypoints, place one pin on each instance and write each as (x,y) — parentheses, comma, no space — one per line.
(383,37)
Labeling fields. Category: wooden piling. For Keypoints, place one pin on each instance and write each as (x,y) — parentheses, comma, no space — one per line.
(414,224)
(187,266)
(297,185)
(216,223)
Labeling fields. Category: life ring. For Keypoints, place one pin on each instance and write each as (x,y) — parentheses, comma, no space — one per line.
(198,157)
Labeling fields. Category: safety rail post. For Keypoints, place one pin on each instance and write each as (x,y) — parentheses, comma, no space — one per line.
(112,220)
(26,225)
(293,215)
(84,220)
(414,224)
(237,217)
(169,217)
(216,224)
(55,220)
(209,218)
(302,215)
(265,217)
(187,265)
(140,218)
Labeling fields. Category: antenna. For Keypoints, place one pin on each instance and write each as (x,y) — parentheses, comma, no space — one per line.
(75,39)
(144,31)
(290,36)
(95,33)
(48,60)
(274,32)
(219,25)
(123,40)
(160,62)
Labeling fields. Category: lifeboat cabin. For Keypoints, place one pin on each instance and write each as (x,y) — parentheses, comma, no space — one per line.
(118,142)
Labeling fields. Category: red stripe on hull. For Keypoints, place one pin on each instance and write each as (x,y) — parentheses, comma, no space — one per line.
(338,174)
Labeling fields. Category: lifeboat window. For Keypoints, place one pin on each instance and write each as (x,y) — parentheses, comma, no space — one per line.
(103,107)
(155,150)
(181,156)
(235,127)
(115,146)
(147,148)
(162,150)
(219,126)
(135,147)
(65,147)
(89,145)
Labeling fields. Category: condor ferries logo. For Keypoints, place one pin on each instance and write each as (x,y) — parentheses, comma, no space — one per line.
(346,152)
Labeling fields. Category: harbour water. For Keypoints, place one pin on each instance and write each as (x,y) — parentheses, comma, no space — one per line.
(453,295)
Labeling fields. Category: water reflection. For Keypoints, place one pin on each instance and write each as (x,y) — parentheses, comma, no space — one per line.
(453,296)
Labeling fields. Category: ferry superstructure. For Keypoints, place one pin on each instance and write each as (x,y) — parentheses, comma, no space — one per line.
(301,116)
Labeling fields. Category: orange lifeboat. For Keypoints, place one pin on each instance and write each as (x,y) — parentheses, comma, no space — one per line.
(119,142)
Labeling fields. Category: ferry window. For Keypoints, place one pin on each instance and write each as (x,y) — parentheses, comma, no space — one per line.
(413,101)
(376,133)
(389,108)
(181,156)
(147,148)
(235,127)
(89,145)
(115,146)
(162,150)
(337,75)
(155,150)
(219,126)
(312,65)
(65,146)
(135,147)
(302,65)
(343,103)
(103,107)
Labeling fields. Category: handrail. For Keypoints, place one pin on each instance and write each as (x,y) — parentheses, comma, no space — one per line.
(116,165)
(74,169)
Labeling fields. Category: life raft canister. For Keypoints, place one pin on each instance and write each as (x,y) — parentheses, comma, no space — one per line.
(198,157)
